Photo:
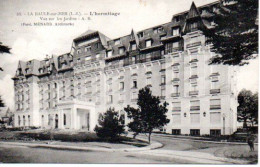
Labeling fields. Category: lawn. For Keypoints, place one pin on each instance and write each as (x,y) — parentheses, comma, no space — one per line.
(65,137)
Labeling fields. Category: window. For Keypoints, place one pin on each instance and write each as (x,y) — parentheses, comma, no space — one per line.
(215,104)
(134,84)
(121,50)
(117,41)
(49,95)
(121,85)
(194,26)
(215,118)
(149,81)
(176,131)
(194,118)
(24,121)
(176,119)
(175,88)
(215,132)
(55,85)
(195,105)
(214,85)
(64,119)
(194,132)
(163,80)
(49,104)
(176,75)
(162,92)
(134,96)
(176,106)
(157,30)
(97,45)
(193,87)
(19,120)
(88,48)
(40,70)
(141,34)
(148,43)
(133,46)
(177,19)
(175,31)
(78,60)
(193,70)
(133,59)
(87,58)
(78,51)
(109,53)
(29,120)
(110,98)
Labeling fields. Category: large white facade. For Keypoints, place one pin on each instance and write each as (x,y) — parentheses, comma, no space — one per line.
(71,90)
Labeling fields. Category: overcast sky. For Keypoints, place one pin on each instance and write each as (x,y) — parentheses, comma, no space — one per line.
(32,42)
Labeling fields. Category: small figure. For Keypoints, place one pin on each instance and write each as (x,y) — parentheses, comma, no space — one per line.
(250,141)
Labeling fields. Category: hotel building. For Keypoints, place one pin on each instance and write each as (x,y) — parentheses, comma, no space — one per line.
(69,91)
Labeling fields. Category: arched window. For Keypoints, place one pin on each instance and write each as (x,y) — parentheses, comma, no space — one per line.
(64,119)
(42,120)
(23,120)
(49,119)
(29,120)
(19,121)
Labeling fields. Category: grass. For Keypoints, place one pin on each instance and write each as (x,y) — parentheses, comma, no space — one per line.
(67,136)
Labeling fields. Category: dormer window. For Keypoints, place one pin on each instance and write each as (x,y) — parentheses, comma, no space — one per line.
(47,62)
(78,60)
(27,70)
(133,46)
(78,51)
(109,53)
(175,31)
(88,48)
(87,58)
(177,19)
(148,43)
(121,50)
(117,41)
(40,70)
(157,30)
(141,34)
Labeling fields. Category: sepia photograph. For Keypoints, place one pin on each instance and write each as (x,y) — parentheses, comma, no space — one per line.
(129,82)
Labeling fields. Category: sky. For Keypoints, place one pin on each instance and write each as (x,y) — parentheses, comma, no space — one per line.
(35,42)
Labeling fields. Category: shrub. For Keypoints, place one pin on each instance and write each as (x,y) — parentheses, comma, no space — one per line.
(111,126)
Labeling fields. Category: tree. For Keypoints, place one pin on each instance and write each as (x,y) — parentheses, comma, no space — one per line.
(149,115)
(111,125)
(248,107)
(235,34)
(4,49)
(1,102)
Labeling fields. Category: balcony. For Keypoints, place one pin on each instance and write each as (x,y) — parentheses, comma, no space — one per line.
(192,93)
(214,107)
(175,94)
(192,108)
(214,91)
(176,108)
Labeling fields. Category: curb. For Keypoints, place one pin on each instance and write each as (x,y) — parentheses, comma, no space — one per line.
(153,145)
(205,141)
